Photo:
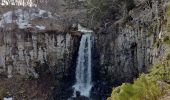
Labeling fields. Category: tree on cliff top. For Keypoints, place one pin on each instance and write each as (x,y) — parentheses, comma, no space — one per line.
(100,10)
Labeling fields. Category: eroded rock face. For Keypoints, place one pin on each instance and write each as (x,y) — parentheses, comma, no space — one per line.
(23,51)
(124,50)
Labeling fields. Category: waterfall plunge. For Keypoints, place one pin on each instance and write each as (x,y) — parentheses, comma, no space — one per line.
(83,68)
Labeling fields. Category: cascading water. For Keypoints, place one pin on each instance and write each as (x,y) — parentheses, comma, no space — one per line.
(83,68)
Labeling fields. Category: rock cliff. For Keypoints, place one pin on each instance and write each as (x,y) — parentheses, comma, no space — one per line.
(123,50)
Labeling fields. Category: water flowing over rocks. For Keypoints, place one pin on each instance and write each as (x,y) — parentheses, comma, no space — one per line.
(84,68)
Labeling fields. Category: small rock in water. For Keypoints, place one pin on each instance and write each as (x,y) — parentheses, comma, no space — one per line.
(77,94)
(78,97)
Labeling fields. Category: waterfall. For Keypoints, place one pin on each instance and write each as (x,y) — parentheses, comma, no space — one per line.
(83,68)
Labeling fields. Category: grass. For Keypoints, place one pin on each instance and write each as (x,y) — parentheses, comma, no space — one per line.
(168,14)
(167,40)
(168,10)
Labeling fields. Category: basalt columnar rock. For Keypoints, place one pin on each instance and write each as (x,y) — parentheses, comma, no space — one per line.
(23,52)
(32,37)
(123,50)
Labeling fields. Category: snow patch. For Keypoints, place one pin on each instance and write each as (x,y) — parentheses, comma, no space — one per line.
(29,3)
(8,98)
(83,29)
(22,18)
(7,17)
(40,27)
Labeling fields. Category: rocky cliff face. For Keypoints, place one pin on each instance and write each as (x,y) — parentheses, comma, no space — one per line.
(32,38)
(23,52)
(125,49)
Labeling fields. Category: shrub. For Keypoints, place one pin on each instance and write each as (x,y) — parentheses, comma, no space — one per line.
(167,40)
(97,8)
(142,89)
(168,56)
(168,21)
(168,10)
(161,70)
(2,93)
(146,87)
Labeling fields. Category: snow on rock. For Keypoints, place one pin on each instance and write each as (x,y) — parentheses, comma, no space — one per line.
(40,27)
(29,3)
(8,98)
(83,29)
(6,18)
(23,18)
(41,14)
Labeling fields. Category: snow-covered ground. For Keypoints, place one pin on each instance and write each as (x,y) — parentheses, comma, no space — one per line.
(23,18)
(18,2)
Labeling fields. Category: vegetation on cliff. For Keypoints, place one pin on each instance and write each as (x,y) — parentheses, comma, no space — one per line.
(142,89)
(151,85)
(148,86)
(104,11)
(167,40)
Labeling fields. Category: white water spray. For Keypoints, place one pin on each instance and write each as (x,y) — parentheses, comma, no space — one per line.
(83,68)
